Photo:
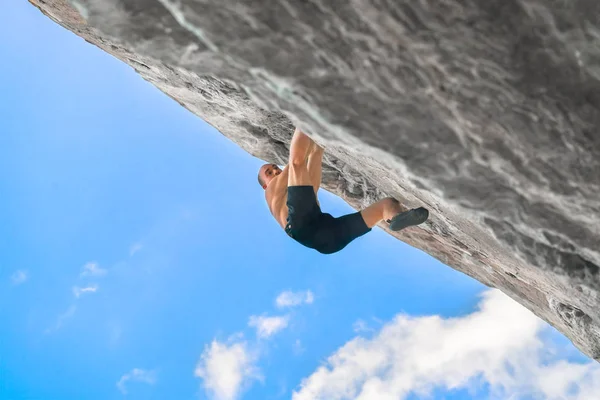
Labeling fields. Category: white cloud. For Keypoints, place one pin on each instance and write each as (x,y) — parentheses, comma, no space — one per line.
(114,333)
(78,291)
(136,375)
(62,318)
(135,248)
(361,326)
(297,347)
(292,299)
(92,269)
(18,277)
(500,344)
(268,326)
(227,370)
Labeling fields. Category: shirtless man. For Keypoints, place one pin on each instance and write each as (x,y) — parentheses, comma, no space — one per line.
(291,194)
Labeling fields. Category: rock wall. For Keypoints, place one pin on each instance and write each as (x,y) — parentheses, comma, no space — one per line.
(486,112)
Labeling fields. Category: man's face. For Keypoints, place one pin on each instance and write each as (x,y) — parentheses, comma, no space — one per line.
(269,171)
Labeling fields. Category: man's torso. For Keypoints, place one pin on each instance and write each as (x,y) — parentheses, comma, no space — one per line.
(276,196)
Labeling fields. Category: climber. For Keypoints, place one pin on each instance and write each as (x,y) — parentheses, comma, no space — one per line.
(291,195)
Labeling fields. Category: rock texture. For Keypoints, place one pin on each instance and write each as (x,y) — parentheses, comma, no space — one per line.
(486,112)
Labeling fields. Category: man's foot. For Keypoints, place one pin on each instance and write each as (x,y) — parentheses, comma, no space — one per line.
(408,218)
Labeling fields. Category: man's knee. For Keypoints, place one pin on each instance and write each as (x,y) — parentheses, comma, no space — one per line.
(390,202)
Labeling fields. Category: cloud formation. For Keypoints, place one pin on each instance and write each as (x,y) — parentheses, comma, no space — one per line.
(78,291)
(136,375)
(60,320)
(497,348)
(18,277)
(92,269)
(227,369)
(361,326)
(268,326)
(297,347)
(293,299)
(135,248)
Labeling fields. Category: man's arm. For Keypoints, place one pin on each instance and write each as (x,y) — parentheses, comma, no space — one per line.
(284,173)
(314,166)
(305,161)
(300,148)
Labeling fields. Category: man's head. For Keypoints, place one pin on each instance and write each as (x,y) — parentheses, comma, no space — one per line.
(266,173)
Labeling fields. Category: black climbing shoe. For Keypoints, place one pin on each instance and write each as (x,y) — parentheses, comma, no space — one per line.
(408,218)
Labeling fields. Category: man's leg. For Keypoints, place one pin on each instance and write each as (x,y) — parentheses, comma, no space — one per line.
(299,150)
(343,230)
(383,209)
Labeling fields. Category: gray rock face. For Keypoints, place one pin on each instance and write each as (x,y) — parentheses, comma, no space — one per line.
(485,112)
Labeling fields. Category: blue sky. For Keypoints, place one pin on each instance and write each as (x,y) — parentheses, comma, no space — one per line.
(138,260)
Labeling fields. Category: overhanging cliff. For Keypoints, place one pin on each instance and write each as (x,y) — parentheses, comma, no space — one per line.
(485,112)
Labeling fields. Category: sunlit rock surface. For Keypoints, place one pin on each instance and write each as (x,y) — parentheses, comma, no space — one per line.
(486,112)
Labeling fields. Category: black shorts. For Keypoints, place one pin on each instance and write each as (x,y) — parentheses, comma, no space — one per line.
(312,228)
